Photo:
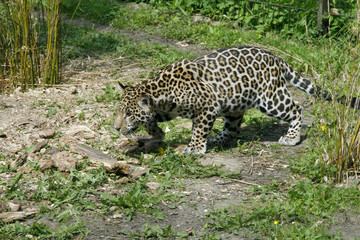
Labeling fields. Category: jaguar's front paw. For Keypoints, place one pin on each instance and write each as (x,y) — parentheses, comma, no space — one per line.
(192,150)
(285,140)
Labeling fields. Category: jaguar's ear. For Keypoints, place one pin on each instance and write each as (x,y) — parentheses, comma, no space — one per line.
(122,87)
(144,102)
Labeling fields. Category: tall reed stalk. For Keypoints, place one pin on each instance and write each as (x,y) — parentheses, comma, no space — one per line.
(30,43)
(345,156)
(347,131)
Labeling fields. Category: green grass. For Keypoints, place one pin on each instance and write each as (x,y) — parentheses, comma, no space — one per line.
(315,52)
(301,211)
(101,11)
(42,231)
(80,42)
(156,232)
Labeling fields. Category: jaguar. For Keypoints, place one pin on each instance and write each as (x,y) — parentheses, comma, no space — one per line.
(223,83)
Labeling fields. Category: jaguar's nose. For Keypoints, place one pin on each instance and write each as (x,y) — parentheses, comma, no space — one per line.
(117,128)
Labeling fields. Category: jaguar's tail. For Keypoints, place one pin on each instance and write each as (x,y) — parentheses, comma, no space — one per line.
(314,90)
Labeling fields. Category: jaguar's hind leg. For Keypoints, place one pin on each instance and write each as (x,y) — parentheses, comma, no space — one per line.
(293,134)
(290,112)
(230,130)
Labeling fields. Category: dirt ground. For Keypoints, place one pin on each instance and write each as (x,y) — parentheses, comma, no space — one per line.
(26,117)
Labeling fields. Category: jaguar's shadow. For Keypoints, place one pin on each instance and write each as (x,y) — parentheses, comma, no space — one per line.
(251,133)
(270,133)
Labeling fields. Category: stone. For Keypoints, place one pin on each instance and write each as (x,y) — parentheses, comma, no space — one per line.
(14,206)
(73,90)
(153,186)
(133,161)
(46,133)
(118,215)
(8,217)
(46,163)
(98,158)
(113,208)
(64,161)
(139,171)
(122,180)
(80,132)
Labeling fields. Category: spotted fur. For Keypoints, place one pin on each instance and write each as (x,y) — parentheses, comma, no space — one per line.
(223,83)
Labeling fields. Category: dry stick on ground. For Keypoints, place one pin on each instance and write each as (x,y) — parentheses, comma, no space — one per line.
(251,169)
(244,182)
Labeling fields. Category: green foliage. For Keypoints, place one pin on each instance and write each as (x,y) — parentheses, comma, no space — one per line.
(12,190)
(110,95)
(77,186)
(333,150)
(101,11)
(5,167)
(81,116)
(85,41)
(136,199)
(288,21)
(175,164)
(291,215)
(51,112)
(41,231)
(306,56)
(154,231)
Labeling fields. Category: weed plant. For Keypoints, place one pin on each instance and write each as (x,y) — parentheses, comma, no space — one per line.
(30,43)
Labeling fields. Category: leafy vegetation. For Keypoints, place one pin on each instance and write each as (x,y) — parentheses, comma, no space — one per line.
(101,11)
(301,212)
(314,53)
(297,20)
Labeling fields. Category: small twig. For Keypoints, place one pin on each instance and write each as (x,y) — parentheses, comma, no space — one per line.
(226,183)
(244,182)
(251,169)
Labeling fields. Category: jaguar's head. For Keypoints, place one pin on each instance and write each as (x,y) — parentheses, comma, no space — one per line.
(133,109)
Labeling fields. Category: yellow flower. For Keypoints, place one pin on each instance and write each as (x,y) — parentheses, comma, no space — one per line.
(276,222)
(323,127)
(161,150)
